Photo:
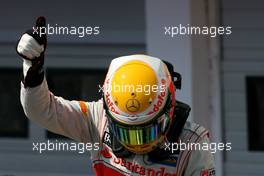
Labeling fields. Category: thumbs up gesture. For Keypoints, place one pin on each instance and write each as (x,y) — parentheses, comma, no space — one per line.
(31,47)
(33,42)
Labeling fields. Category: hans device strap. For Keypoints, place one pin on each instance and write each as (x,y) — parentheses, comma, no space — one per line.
(176,77)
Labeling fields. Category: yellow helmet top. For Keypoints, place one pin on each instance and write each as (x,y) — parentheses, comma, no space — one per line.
(132,87)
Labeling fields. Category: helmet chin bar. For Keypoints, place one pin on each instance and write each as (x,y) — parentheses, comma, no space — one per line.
(143,149)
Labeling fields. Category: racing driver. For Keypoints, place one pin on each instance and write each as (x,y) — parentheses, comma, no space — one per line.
(135,129)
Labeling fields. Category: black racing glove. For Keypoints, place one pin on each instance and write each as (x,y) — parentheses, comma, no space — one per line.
(31,47)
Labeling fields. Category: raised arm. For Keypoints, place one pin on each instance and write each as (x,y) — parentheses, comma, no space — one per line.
(74,119)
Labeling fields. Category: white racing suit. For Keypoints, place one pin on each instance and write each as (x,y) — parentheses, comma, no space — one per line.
(86,122)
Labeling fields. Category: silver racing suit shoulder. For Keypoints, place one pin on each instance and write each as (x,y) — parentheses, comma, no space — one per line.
(193,132)
(195,162)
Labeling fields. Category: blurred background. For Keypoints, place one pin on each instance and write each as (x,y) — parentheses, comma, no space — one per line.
(223,77)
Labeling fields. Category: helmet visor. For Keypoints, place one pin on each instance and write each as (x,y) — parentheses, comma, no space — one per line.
(140,134)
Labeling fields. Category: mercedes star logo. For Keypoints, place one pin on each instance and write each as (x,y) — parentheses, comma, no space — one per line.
(132,105)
